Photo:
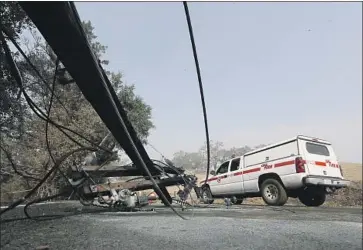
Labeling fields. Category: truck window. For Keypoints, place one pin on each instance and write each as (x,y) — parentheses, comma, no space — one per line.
(317,149)
(235,164)
(223,168)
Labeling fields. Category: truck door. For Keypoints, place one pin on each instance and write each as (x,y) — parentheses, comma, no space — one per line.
(234,178)
(217,183)
(320,159)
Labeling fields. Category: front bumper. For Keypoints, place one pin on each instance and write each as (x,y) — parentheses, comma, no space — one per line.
(325,181)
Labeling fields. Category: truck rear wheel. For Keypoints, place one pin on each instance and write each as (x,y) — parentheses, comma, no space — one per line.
(273,193)
(312,198)
(207,195)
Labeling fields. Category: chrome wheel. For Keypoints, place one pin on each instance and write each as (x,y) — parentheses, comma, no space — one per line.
(271,192)
(205,196)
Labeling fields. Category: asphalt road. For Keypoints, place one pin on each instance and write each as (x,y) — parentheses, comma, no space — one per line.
(241,227)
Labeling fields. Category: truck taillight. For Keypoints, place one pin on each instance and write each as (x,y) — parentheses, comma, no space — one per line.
(341,170)
(299,165)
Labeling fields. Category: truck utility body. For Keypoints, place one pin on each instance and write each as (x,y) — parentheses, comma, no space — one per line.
(302,167)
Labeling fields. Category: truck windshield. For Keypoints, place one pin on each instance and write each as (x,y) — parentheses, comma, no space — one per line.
(223,168)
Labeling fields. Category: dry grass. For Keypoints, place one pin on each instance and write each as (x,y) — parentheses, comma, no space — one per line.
(351,196)
(352,171)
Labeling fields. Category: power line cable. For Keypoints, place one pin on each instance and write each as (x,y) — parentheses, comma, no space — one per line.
(40,113)
(123,125)
(192,40)
(156,186)
(30,193)
(17,76)
(33,67)
(49,109)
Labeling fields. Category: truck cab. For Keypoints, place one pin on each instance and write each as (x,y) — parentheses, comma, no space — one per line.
(226,180)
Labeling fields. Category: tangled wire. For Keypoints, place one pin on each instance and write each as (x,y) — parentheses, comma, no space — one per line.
(68,132)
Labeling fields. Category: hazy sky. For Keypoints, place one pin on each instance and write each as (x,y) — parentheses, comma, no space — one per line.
(270,70)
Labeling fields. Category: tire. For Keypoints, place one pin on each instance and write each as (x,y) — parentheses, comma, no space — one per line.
(236,201)
(273,193)
(207,196)
(312,198)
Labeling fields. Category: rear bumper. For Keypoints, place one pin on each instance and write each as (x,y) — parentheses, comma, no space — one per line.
(325,181)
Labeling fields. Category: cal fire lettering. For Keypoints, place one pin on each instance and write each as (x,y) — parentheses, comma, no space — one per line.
(266,166)
(332,164)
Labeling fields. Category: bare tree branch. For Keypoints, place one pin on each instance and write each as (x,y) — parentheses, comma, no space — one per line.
(14,167)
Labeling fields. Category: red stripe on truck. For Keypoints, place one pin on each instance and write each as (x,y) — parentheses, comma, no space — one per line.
(320,163)
(251,170)
(285,163)
(216,178)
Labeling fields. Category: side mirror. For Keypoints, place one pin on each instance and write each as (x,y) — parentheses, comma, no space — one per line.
(213,172)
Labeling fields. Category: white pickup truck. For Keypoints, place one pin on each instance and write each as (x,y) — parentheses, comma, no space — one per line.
(302,167)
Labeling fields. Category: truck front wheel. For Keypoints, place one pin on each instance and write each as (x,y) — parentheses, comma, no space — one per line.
(207,195)
(312,198)
(273,193)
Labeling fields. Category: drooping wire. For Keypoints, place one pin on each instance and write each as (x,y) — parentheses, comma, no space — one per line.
(157,151)
(57,163)
(30,193)
(191,34)
(204,112)
(33,67)
(107,84)
(170,164)
(40,200)
(47,129)
(39,112)
(49,109)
